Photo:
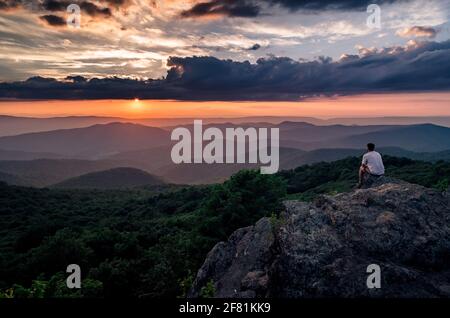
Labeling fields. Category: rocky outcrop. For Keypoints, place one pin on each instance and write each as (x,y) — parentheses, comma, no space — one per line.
(323,248)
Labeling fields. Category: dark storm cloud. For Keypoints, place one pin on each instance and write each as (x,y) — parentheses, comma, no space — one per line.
(422,67)
(231,8)
(327,4)
(253,8)
(118,2)
(94,10)
(254,47)
(9,4)
(61,6)
(52,5)
(86,6)
(53,20)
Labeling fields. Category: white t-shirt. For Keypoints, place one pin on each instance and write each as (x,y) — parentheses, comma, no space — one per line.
(374,161)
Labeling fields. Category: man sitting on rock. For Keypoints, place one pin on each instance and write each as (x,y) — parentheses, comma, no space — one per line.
(371,166)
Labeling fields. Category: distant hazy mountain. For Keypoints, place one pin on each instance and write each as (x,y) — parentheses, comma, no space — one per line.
(152,160)
(302,135)
(24,155)
(394,120)
(157,162)
(10,125)
(148,148)
(90,142)
(329,155)
(307,136)
(12,179)
(420,138)
(118,178)
(289,158)
(45,172)
(301,131)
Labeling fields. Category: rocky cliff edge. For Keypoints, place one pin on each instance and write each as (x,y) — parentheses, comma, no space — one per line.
(324,248)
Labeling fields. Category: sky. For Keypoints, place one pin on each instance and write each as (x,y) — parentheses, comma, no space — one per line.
(367,105)
(254,51)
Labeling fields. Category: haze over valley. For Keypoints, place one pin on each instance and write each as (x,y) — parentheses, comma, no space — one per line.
(51,157)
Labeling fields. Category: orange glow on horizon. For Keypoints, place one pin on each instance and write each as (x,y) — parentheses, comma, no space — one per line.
(137,105)
(379,105)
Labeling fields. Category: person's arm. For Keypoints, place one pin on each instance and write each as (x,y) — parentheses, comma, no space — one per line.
(382,163)
(364,164)
(364,161)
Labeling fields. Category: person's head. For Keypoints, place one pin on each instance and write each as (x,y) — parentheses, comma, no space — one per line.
(370,146)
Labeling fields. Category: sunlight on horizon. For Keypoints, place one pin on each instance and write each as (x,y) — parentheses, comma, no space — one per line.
(376,105)
(137,105)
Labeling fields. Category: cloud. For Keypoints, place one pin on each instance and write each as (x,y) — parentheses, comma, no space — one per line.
(118,2)
(52,5)
(417,31)
(230,8)
(53,20)
(94,10)
(254,47)
(87,7)
(316,5)
(419,66)
(9,4)
(253,8)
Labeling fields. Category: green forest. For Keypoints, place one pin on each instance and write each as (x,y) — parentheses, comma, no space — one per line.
(149,242)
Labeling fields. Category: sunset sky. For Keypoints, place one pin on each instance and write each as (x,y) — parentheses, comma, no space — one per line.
(420,104)
(225,58)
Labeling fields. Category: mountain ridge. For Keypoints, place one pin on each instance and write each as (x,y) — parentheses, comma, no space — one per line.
(116,178)
(14,125)
(45,172)
(90,142)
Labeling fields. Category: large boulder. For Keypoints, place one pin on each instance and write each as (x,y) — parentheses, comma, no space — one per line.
(324,248)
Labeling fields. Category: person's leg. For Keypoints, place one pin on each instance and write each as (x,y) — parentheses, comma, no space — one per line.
(361,176)
(362,172)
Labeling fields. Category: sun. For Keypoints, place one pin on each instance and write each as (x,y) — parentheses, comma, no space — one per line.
(136,104)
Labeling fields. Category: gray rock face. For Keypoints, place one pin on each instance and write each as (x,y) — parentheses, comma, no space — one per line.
(323,249)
